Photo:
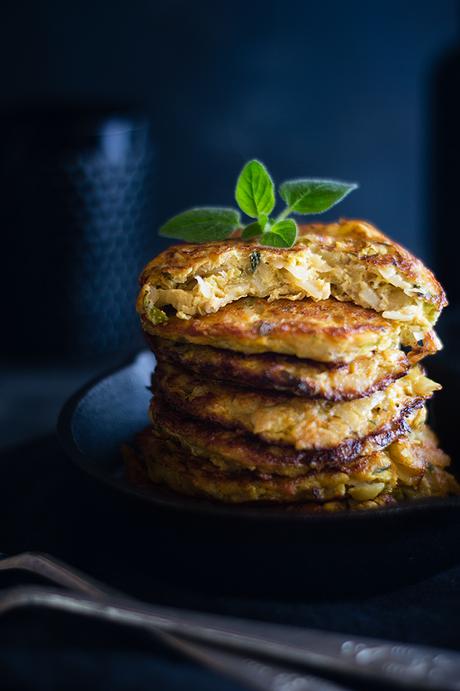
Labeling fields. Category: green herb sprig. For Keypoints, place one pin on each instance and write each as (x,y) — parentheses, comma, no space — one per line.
(255,196)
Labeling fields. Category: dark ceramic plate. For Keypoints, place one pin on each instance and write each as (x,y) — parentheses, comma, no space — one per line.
(254,548)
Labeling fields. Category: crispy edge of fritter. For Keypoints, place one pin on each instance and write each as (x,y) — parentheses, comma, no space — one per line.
(168,463)
(160,460)
(325,330)
(211,401)
(251,451)
(136,473)
(252,317)
(285,373)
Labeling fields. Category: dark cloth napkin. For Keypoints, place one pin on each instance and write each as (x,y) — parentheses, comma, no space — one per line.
(50,505)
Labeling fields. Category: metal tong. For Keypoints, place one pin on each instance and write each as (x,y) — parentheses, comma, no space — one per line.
(229,645)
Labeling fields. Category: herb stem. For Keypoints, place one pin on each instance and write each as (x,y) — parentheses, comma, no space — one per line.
(284,214)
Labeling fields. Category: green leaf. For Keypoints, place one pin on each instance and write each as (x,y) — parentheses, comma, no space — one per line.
(202,225)
(314,196)
(251,231)
(255,191)
(281,234)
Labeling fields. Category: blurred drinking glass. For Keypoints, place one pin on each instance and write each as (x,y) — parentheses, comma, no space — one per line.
(77,225)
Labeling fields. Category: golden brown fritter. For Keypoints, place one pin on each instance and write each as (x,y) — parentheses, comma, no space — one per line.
(188,475)
(325,331)
(232,449)
(365,480)
(349,260)
(334,382)
(303,423)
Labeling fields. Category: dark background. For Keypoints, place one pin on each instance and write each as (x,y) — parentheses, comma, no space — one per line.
(329,89)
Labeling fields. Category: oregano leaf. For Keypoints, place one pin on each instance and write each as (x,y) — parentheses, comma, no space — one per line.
(202,225)
(255,191)
(306,196)
(281,234)
(251,231)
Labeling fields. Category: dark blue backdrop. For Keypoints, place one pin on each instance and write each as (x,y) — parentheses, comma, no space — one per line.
(328,89)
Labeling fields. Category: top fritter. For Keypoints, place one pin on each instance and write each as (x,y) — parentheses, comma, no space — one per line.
(349,260)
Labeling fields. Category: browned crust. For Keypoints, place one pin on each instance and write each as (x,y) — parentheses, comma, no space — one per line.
(357,235)
(169,463)
(251,451)
(278,418)
(137,458)
(331,318)
(242,473)
(429,346)
(413,467)
(326,330)
(283,373)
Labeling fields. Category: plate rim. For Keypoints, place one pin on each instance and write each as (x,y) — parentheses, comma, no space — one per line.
(185,504)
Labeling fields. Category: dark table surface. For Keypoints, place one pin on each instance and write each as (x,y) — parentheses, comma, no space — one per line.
(49,505)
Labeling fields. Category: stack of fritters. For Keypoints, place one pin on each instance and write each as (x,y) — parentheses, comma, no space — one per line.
(293,375)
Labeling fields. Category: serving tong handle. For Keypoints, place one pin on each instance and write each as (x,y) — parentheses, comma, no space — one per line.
(410,666)
(251,673)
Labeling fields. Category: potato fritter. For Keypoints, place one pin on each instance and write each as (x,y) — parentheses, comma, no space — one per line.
(325,331)
(190,475)
(331,381)
(365,480)
(302,423)
(233,449)
(349,260)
